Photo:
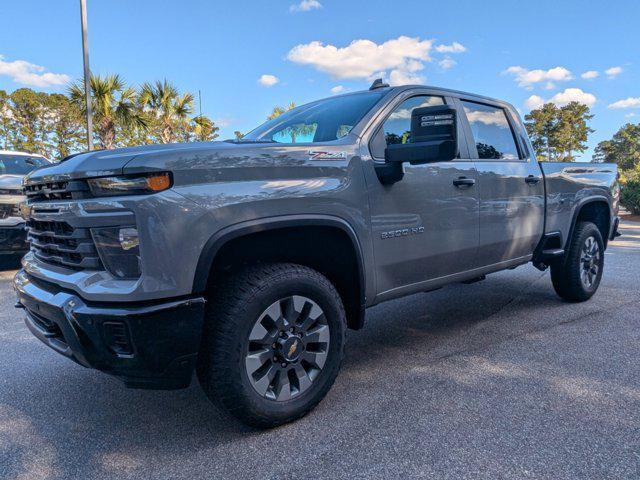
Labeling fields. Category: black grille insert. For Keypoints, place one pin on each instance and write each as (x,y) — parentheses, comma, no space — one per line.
(59,243)
(65,190)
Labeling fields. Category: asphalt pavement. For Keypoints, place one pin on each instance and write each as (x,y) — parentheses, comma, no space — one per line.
(498,379)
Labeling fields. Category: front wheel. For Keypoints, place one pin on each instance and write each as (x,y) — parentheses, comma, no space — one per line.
(273,343)
(577,277)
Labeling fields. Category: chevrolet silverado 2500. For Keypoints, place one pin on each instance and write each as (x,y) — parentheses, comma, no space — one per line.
(245,261)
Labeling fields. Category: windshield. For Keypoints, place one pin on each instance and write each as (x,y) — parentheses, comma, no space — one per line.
(320,121)
(19,164)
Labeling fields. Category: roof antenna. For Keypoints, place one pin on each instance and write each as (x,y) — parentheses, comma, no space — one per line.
(378,83)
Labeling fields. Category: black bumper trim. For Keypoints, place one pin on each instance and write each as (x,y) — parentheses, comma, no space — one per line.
(165,337)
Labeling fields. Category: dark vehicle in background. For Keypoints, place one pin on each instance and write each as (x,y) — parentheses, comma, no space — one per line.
(246,260)
(13,168)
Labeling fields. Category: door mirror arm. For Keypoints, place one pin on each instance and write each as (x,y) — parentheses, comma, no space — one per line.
(389,172)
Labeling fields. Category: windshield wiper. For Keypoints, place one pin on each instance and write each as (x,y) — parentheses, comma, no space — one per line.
(248,140)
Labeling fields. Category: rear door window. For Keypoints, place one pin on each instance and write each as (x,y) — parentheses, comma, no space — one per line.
(491,131)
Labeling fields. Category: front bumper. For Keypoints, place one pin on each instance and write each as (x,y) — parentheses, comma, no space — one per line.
(13,239)
(151,345)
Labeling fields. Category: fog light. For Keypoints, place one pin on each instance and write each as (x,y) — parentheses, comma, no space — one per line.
(119,250)
(128,238)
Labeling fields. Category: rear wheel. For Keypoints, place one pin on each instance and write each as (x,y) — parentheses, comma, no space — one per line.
(577,277)
(273,343)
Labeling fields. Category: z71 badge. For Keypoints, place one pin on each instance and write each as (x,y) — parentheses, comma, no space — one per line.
(403,232)
(323,155)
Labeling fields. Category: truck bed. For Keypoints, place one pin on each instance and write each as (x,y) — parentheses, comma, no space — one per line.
(569,185)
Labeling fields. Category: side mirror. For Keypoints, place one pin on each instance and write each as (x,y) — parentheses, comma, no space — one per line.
(433,138)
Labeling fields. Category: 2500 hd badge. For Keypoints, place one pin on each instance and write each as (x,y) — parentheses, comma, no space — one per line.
(403,232)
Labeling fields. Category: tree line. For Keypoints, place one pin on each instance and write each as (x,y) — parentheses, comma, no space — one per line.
(53,125)
(558,133)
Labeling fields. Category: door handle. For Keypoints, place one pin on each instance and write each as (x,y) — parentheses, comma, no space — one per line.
(464,182)
(532,179)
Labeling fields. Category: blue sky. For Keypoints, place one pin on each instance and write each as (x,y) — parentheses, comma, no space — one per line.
(224,48)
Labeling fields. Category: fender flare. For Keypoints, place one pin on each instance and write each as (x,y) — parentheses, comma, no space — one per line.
(576,212)
(221,237)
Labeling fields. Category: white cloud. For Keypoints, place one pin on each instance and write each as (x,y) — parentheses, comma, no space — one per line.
(527,78)
(337,89)
(488,118)
(222,122)
(399,58)
(27,73)
(613,72)
(573,95)
(455,47)
(631,102)
(562,98)
(305,6)
(590,75)
(268,80)
(630,115)
(404,77)
(447,63)
(534,102)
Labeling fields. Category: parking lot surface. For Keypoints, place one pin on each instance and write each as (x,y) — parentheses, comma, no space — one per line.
(498,379)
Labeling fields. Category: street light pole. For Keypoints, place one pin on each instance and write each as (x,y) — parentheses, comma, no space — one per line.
(87,73)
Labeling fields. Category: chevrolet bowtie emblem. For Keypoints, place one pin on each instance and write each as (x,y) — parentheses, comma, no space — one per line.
(293,348)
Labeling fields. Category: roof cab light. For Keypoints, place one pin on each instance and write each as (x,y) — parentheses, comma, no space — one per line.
(130,184)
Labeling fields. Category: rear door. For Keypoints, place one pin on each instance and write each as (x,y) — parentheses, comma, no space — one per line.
(510,183)
(425,228)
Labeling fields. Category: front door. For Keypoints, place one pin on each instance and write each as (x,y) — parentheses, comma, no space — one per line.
(425,227)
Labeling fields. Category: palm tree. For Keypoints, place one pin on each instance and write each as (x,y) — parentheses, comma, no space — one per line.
(167,107)
(204,128)
(278,110)
(113,104)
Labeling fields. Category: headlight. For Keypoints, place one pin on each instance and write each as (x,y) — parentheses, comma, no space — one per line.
(119,250)
(130,184)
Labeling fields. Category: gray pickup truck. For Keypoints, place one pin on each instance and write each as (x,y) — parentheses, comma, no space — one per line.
(245,261)
(13,167)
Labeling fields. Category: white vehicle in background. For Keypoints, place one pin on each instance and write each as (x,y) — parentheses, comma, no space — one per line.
(13,167)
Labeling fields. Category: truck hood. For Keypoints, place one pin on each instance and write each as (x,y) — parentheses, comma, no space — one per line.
(101,163)
(11,182)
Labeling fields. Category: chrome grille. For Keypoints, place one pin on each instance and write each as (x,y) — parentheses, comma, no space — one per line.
(59,243)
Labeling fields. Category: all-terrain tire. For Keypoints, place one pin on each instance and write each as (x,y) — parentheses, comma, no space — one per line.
(231,316)
(569,276)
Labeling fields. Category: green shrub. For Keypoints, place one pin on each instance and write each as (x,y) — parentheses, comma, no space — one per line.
(630,196)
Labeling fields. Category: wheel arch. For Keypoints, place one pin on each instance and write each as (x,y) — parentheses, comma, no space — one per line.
(354,300)
(596,209)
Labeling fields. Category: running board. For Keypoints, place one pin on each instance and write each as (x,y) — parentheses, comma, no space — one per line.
(474,280)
